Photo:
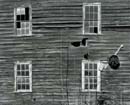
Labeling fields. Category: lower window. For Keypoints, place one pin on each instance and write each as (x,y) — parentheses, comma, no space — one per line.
(90,76)
(23,76)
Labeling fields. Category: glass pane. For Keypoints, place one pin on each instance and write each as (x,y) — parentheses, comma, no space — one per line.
(91,29)
(23,73)
(95,9)
(22,67)
(91,86)
(22,17)
(95,86)
(18,73)
(18,31)
(18,17)
(91,73)
(18,67)
(27,86)
(91,80)
(95,80)
(86,73)
(18,11)
(95,18)
(27,80)
(86,66)
(86,86)
(23,86)
(18,80)
(27,24)
(90,66)
(86,27)
(91,23)
(22,11)
(27,31)
(27,13)
(18,25)
(27,67)
(18,86)
(91,9)
(23,24)
(87,13)
(95,66)
(95,30)
(27,73)
(86,80)
(95,73)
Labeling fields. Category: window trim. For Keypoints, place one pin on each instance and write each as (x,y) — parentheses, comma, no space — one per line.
(99,17)
(30,77)
(98,77)
(30,14)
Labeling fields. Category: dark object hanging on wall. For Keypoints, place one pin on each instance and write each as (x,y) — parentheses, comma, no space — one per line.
(86,56)
(114,62)
(84,41)
(75,44)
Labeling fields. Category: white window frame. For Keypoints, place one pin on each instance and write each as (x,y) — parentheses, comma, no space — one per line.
(30,76)
(99,17)
(98,76)
(30,20)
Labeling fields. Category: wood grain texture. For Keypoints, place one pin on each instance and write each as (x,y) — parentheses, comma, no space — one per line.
(56,64)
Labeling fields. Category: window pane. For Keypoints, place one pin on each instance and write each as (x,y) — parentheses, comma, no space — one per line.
(95,66)
(95,86)
(86,73)
(95,9)
(95,80)
(18,25)
(23,73)
(95,73)
(18,73)
(91,73)
(27,80)
(27,86)
(23,86)
(86,66)
(95,30)
(91,30)
(22,11)
(22,67)
(27,67)
(18,86)
(91,9)
(91,86)
(86,86)
(19,80)
(22,17)
(18,31)
(27,73)
(90,66)
(27,13)
(18,67)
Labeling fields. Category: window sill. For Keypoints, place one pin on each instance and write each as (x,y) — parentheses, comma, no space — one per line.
(23,91)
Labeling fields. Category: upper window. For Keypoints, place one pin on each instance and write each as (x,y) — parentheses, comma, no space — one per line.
(23,21)
(90,76)
(23,76)
(92,18)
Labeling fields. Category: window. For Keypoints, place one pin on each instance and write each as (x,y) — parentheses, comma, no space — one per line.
(92,18)
(23,21)
(23,76)
(90,76)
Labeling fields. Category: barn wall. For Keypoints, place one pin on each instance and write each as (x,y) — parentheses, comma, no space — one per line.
(56,64)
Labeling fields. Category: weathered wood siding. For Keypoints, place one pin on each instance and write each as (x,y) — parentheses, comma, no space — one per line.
(55,24)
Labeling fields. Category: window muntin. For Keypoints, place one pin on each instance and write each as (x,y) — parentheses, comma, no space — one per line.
(23,21)
(90,76)
(23,76)
(92,18)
